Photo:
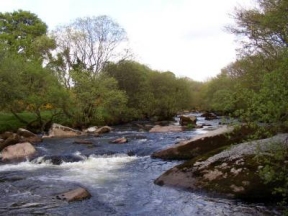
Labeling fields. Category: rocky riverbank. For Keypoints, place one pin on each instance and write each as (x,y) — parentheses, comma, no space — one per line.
(216,164)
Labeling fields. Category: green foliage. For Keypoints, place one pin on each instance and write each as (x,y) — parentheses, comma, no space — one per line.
(8,121)
(254,87)
(94,100)
(24,33)
(275,170)
(151,93)
(270,104)
(11,88)
(190,126)
(265,27)
(27,86)
(79,79)
(132,78)
(219,93)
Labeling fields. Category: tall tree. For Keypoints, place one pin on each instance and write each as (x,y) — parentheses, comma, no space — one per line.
(263,28)
(132,78)
(27,86)
(24,33)
(89,43)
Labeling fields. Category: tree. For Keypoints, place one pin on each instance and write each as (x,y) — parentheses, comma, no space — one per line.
(132,77)
(94,100)
(262,72)
(89,43)
(84,47)
(11,87)
(24,33)
(263,28)
(170,94)
(27,86)
(150,93)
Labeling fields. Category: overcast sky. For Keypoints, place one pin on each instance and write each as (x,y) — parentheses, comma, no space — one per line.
(186,37)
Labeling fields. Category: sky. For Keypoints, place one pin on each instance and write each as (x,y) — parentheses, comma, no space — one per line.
(186,37)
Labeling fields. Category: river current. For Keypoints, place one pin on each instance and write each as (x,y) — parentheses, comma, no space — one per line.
(118,176)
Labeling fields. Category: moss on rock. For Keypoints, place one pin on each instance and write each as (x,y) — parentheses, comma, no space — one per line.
(206,143)
(232,173)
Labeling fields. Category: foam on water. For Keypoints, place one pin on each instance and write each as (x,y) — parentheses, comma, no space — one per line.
(95,169)
(26,165)
(91,168)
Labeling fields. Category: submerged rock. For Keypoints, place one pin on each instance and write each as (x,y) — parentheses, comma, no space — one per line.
(77,194)
(18,151)
(86,142)
(232,173)
(188,120)
(120,140)
(58,159)
(209,116)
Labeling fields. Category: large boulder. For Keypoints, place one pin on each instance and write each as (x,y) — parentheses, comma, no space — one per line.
(213,141)
(27,136)
(188,120)
(18,151)
(58,130)
(198,145)
(74,195)
(165,129)
(233,173)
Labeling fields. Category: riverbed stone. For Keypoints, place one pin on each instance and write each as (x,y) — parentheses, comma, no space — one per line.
(209,116)
(91,129)
(104,129)
(28,136)
(10,140)
(58,159)
(6,135)
(18,151)
(83,141)
(120,140)
(77,194)
(58,130)
(187,120)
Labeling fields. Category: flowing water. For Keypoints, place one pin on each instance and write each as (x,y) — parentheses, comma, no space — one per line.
(118,176)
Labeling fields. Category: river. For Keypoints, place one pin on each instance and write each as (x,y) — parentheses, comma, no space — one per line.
(118,176)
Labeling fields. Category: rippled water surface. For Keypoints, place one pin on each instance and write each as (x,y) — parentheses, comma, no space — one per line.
(119,178)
